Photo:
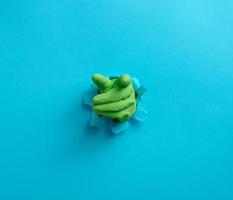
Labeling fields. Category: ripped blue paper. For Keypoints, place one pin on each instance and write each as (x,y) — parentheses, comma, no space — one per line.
(97,121)
(87,96)
(140,115)
(136,83)
(119,127)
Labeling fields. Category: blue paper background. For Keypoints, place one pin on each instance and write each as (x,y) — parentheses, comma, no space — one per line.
(181,50)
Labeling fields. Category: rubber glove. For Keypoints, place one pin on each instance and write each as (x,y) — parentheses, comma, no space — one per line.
(117,97)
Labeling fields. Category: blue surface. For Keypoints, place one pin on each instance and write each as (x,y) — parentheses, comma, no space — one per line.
(181,50)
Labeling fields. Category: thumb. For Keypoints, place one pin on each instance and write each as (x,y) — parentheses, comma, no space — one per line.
(123,81)
(101,81)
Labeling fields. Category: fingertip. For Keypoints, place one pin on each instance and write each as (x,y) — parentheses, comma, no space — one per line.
(98,99)
(94,108)
(96,77)
(126,116)
(125,80)
(101,81)
(95,100)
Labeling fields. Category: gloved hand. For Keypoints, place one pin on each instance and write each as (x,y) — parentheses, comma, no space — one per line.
(117,97)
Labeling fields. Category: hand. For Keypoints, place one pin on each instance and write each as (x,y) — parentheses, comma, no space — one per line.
(117,97)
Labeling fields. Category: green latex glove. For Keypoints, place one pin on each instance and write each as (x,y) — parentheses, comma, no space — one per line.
(117,97)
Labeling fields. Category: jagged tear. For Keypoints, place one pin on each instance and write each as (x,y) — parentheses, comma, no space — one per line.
(97,121)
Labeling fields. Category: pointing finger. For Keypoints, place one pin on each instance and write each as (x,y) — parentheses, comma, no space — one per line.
(101,81)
